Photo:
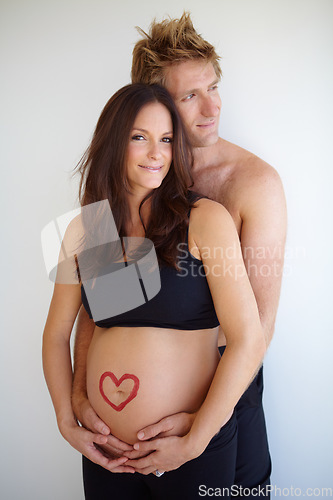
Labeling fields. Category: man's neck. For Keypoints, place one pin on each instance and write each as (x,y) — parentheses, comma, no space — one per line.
(209,156)
(214,166)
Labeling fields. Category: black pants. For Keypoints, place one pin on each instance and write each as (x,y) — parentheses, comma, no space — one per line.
(215,468)
(253,464)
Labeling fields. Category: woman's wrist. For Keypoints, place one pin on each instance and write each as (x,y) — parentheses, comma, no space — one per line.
(202,432)
(194,445)
(66,422)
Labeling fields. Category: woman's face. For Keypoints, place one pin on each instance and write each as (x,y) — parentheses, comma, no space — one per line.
(149,153)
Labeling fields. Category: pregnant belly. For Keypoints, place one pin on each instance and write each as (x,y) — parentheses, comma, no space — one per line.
(136,376)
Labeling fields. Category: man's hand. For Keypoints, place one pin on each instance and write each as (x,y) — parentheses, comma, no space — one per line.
(164,454)
(178,424)
(88,443)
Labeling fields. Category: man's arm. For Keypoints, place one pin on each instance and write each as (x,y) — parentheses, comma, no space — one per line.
(263,236)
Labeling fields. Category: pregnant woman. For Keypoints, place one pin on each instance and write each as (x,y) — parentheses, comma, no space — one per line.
(160,357)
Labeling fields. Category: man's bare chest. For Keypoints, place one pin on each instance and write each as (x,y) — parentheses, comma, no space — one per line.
(219,187)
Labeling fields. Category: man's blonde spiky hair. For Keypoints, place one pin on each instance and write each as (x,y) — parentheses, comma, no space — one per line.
(168,42)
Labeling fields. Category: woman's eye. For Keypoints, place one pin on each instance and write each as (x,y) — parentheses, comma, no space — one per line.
(137,137)
(167,139)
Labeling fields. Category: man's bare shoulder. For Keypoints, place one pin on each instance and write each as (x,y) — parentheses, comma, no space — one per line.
(244,165)
(238,179)
(254,188)
(225,169)
(248,180)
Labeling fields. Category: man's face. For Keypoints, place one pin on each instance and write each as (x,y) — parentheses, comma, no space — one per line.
(193,86)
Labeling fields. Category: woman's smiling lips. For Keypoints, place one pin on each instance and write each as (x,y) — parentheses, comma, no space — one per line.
(152,169)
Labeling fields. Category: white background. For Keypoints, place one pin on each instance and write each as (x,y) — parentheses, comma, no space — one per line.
(61,61)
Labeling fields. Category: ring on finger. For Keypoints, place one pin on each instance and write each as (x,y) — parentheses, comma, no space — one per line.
(159,473)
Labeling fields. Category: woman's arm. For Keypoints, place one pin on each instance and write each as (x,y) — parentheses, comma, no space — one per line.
(80,403)
(214,235)
(57,365)
(82,408)
(216,238)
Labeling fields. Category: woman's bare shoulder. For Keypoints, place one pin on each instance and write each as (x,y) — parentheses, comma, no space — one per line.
(207,211)
(210,221)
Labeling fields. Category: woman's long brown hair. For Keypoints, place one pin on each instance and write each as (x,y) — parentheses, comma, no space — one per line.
(103,170)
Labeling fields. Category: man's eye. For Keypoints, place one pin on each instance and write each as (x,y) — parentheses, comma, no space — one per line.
(188,97)
(214,87)
(168,140)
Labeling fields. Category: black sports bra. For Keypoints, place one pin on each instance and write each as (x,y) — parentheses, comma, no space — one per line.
(184,301)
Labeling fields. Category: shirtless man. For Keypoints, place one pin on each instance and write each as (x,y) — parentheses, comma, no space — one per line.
(251,191)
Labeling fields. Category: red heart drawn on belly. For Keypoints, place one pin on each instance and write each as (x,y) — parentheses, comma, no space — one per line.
(117,383)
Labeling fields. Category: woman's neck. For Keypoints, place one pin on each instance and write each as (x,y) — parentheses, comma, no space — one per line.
(137,224)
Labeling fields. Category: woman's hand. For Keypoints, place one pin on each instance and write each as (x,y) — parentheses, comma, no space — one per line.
(111,446)
(89,443)
(165,454)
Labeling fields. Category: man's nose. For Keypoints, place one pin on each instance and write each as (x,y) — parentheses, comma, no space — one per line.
(210,106)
